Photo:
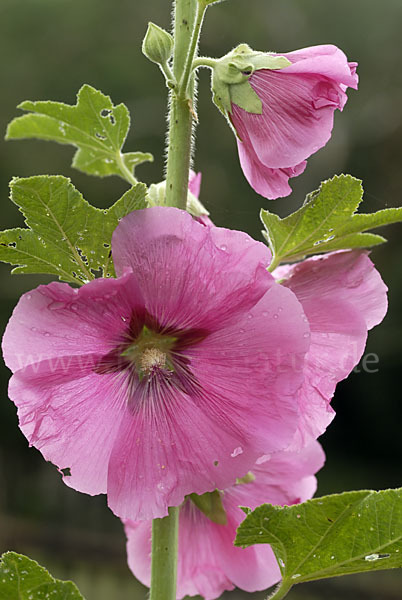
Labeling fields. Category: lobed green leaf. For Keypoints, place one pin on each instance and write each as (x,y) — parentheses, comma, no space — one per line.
(327,221)
(66,236)
(347,533)
(23,579)
(94,125)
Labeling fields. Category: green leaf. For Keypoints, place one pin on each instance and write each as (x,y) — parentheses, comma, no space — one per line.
(327,221)
(66,236)
(211,505)
(94,125)
(23,579)
(347,533)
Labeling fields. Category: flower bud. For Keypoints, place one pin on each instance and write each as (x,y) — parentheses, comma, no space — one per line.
(157,44)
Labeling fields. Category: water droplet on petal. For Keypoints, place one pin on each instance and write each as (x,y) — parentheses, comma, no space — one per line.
(224,247)
(237,451)
(56,305)
(306,335)
(275,316)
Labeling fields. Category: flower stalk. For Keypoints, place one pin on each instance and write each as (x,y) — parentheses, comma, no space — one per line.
(188,17)
(164,556)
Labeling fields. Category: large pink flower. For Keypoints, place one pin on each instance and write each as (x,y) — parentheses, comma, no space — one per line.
(298,104)
(343,296)
(208,563)
(171,379)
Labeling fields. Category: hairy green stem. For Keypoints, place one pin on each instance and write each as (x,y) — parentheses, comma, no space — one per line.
(204,61)
(199,17)
(164,556)
(281,591)
(187,23)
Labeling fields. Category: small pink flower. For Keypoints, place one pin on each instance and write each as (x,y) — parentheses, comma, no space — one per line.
(343,296)
(171,379)
(208,563)
(194,183)
(194,186)
(298,112)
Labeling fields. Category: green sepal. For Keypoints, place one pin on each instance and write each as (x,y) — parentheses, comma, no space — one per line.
(211,505)
(157,197)
(158,44)
(96,127)
(326,222)
(341,534)
(244,96)
(23,579)
(66,236)
(230,78)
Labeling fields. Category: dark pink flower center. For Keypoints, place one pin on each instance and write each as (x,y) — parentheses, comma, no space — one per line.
(153,355)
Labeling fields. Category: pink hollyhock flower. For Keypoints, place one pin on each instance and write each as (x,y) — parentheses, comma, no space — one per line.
(343,296)
(171,379)
(208,563)
(298,104)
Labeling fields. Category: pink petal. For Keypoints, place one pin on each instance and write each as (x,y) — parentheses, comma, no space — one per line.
(72,415)
(326,60)
(57,320)
(254,568)
(66,409)
(269,183)
(343,296)
(186,274)
(194,183)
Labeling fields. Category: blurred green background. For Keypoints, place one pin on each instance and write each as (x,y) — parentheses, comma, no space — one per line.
(48,49)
